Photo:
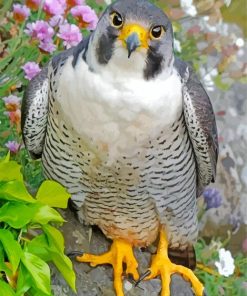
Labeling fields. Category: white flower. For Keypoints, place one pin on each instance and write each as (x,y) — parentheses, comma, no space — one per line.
(188,7)
(226,264)
(108,2)
(240,42)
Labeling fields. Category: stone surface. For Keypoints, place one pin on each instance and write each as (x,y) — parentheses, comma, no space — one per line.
(97,281)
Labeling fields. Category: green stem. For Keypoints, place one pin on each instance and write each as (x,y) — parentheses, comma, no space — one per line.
(40,9)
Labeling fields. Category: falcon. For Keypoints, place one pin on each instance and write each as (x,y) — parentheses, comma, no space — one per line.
(130,131)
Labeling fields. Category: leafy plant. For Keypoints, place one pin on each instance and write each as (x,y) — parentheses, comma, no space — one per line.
(215,283)
(28,239)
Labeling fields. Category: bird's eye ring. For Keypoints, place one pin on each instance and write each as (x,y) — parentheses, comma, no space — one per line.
(156,32)
(116,20)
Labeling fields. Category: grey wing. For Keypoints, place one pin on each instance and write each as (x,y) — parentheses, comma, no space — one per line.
(35,103)
(201,125)
(35,112)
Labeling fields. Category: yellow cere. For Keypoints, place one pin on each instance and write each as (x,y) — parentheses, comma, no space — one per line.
(142,33)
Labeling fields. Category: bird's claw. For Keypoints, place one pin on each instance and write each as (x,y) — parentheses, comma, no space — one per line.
(142,277)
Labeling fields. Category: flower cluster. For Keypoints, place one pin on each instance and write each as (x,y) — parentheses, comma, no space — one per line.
(212,198)
(56,12)
(20,12)
(13,146)
(12,105)
(85,16)
(70,34)
(31,69)
(43,32)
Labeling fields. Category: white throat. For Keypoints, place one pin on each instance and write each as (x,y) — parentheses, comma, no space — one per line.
(116,107)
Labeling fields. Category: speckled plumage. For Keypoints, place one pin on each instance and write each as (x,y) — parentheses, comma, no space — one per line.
(130,166)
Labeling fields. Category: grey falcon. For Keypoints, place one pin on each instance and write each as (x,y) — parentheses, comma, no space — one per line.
(130,131)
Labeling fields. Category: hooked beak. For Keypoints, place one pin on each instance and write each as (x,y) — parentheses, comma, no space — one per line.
(132,42)
(134,36)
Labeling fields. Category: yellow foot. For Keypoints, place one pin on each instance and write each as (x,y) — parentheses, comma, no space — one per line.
(161,265)
(120,252)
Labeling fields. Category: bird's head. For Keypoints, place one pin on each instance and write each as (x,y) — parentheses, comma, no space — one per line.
(134,35)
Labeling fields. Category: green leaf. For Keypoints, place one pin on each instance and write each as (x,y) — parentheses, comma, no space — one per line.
(39,246)
(62,262)
(39,271)
(16,214)
(55,237)
(45,214)
(11,248)
(3,266)
(53,194)
(6,159)
(5,289)
(64,265)
(15,190)
(13,169)
(220,84)
(24,281)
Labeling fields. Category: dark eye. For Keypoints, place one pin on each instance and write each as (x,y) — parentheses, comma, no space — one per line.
(116,20)
(156,32)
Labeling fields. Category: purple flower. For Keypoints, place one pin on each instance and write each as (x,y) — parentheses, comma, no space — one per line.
(40,30)
(57,20)
(71,35)
(85,16)
(12,102)
(13,146)
(212,198)
(47,46)
(55,7)
(31,69)
(20,12)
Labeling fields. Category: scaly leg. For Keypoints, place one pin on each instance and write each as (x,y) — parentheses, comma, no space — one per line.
(120,252)
(161,265)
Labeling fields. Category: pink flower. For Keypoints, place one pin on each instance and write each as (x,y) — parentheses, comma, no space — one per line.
(31,69)
(55,7)
(33,4)
(20,12)
(71,35)
(13,146)
(12,103)
(40,30)
(47,46)
(57,20)
(14,116)
(85,16)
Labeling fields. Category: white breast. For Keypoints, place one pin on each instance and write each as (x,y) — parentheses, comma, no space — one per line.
(119,112)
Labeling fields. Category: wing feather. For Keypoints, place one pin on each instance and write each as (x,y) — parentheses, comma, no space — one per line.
(201,125)
(35,103)
(34,113)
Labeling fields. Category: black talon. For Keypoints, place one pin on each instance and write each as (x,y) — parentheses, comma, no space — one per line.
(142,277)
(73,254)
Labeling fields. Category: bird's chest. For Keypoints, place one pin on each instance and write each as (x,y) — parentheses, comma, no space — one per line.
(116,117)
